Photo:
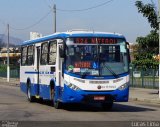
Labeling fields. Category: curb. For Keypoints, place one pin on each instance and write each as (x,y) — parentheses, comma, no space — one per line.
(10,84)
(154,101)
(13,85)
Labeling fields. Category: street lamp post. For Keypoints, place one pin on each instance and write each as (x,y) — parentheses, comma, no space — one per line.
(8,67)
(54,13)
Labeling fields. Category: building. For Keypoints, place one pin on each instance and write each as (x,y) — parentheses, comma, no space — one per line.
(14,56)
(35,35)
(133,49)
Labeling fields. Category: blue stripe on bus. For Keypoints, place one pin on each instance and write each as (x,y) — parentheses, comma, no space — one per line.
(35,72)
(97,77)
(31,72)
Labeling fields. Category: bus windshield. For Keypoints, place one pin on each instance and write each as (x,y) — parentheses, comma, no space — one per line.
(96,59)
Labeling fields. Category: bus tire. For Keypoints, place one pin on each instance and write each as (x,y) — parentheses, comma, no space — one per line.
(52,90)
(107,105)
(29,96)
(57,105)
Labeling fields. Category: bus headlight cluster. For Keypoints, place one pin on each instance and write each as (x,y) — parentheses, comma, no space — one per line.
(124,86)
(74,87)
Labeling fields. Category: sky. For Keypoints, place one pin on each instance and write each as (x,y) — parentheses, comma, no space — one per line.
(120,16)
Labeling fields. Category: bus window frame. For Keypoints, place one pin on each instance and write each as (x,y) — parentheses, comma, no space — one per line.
(49,53)
(32,63)
(44,53)
(22,49)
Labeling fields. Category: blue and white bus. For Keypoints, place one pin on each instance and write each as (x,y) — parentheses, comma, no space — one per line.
(76,67)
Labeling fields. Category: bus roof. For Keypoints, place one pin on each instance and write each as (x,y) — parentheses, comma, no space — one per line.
(68,34)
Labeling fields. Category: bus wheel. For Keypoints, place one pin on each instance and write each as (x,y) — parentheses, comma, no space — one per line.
(30,98)
(52,91)
(107,105)
(57,104)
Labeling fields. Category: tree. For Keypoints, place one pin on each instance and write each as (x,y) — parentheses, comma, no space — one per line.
(147,46)
(148,11)
(150,43)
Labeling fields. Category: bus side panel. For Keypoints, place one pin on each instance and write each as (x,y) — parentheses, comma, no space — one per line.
(34,88)
(23,87)
(45,91)
(28,73)
(45,77)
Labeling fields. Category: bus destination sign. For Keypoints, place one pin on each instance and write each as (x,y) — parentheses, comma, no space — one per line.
(95,40)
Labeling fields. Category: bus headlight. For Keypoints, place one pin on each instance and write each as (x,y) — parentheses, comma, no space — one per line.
(74,87)
(124,86)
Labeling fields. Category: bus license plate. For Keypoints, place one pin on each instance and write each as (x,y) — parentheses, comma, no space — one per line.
(99,98)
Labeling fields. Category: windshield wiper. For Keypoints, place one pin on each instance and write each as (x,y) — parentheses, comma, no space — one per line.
(110,70)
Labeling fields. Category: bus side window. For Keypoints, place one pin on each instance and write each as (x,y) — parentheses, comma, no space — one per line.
(24,56)
(44,53)
(30,60)
(52,52)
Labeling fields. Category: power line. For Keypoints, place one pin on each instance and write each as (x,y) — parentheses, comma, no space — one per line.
(86,9)
(64,10)
(36,23)
(46,2)
(28,27)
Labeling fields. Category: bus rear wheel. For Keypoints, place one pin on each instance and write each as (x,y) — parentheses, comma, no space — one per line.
(29,96)
(57,104)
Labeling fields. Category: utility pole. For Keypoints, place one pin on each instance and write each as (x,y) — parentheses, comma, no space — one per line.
(54,15)
(8,68)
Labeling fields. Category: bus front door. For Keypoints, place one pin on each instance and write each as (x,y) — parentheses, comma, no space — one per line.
(59,70)
(37,68)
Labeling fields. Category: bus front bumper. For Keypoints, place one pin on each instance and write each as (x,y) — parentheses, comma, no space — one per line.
(76,96)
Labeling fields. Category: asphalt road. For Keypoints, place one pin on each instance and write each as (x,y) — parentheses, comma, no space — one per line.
(15,107)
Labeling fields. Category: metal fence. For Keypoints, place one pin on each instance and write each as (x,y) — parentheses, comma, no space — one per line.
(144,78)
(14,71)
